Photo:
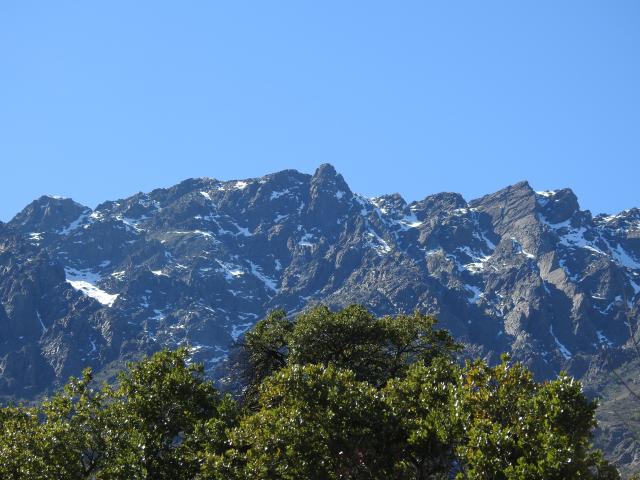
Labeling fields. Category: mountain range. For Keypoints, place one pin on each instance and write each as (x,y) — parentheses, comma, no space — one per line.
(517,271)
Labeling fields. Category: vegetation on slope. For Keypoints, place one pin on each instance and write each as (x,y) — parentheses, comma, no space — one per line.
(327,395)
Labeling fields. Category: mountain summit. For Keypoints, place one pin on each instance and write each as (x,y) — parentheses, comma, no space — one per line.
(198,263)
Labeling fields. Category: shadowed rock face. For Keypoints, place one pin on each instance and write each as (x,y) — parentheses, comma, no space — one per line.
(200,262)
(514,271)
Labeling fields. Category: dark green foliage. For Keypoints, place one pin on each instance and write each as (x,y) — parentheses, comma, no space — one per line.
(423,408)
(373,349)
(516,428)
(328,395)
(265,351)
(154,424)
(313,422)
(166,404)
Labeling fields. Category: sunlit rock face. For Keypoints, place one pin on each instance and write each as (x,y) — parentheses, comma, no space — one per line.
(515,271)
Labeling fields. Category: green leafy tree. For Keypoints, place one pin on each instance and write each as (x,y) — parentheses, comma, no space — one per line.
(413,338)
(516,428)
(351,338)
(155,424)
(423,408)
(265,350)
(313,422)
(59,439)
(22,454)
(330,395)
(163,404)
(350,346)
(375,349)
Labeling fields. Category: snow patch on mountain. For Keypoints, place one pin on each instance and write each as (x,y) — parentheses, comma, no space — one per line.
(77,223)
(623,258)
(476,293)
(270,283)
(85,281)
(566,353)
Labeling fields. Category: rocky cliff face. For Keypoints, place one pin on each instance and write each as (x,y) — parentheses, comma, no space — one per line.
(519,271)
(515,271)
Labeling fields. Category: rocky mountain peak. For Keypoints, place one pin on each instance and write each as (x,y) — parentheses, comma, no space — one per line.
(326,170)
(201,261)
(508,206)
(559,205)
(329,195)
(390,203)
(438,203)
(327,180)
(48,213)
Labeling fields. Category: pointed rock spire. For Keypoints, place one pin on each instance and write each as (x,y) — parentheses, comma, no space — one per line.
(328,193)
(507,206)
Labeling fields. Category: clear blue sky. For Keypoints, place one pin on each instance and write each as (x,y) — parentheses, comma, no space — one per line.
(99,100)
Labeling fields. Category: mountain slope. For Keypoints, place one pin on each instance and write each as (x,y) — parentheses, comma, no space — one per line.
(519,271)
(200,262)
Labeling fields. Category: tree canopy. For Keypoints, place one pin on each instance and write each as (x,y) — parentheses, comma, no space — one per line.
(324,395)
